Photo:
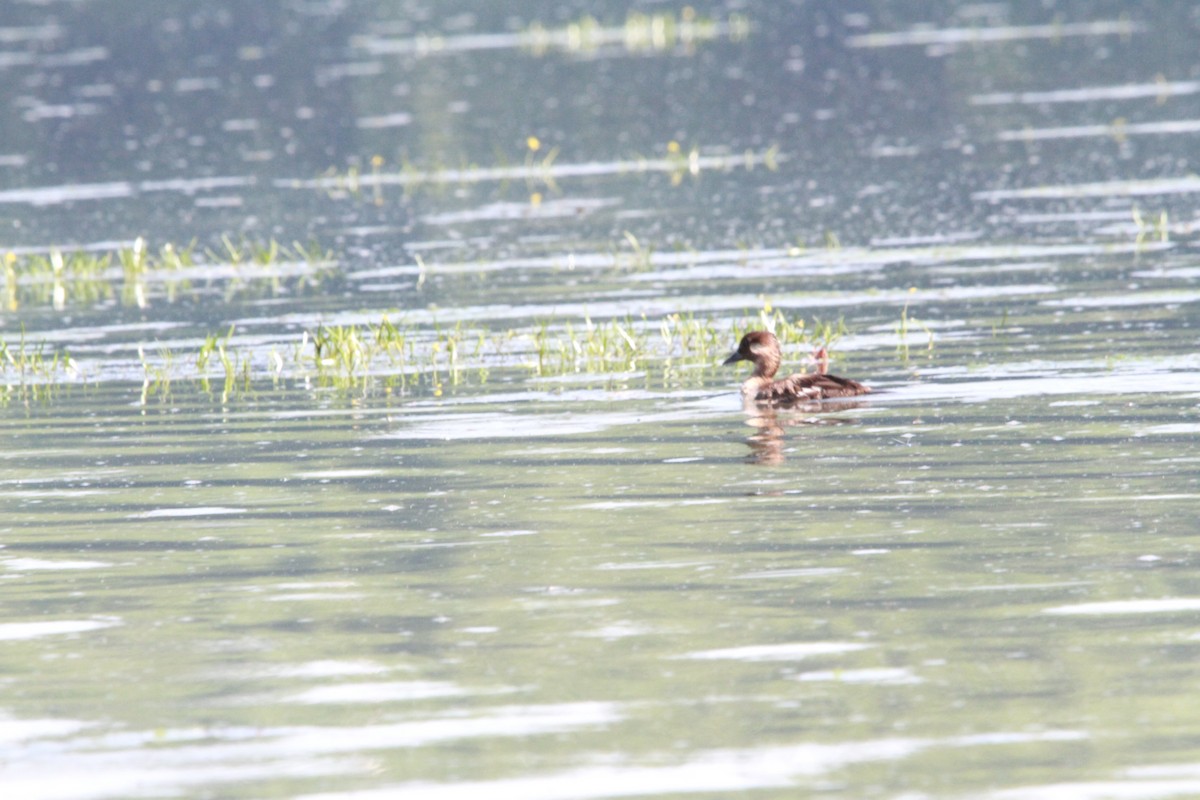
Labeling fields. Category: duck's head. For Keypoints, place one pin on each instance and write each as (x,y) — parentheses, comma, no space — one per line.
(760,348)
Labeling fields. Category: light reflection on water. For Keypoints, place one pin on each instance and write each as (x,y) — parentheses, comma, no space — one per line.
(977,581)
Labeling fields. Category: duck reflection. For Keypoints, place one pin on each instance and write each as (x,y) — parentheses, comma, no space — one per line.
(767,443)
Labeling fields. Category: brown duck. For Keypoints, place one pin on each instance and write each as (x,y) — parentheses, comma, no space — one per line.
(762,348)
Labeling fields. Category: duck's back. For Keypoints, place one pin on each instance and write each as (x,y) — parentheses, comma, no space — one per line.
(815,386)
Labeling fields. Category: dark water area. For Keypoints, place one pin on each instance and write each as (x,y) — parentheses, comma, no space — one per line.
(364,433)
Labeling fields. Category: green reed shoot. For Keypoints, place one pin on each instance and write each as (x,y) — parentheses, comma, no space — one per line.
(642,256)
(902,349)
(10,281)
(156,381)
(31,363)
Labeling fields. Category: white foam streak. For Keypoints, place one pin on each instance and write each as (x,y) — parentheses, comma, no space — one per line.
(1133,91)
(792,651)
(1000,33)
(707,772)
(12,631)
(1164,605)
(77,771)
(1135,188)
(1114,130)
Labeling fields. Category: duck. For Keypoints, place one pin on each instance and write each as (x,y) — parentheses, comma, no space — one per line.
(762,349)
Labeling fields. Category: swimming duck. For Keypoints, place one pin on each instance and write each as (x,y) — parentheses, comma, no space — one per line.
(762,348)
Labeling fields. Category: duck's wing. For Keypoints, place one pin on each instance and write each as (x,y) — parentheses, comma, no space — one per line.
(798,388)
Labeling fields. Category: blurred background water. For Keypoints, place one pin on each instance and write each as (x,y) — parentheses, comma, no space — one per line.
(491,561)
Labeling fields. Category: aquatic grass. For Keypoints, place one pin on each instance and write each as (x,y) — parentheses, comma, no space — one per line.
(560,346)
(536,172)
(338,347)
(448,354)
(265,254)
(360,358)
(230,362)
(1161,228)
(213,344)
(346,356)
(56,278)
(10,281)
(172,257)
(640,32)
(156,381)
(33,370)
(61,278)
(540,170)
(311,253)
(376,166)
(641,258)
(823,333)
(596,347)
(1001,326)
(902,347)
(85,281)
(133,267)
(685,336)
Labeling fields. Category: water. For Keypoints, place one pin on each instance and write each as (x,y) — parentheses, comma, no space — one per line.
(441,574)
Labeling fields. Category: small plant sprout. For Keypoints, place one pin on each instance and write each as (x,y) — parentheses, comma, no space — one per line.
(682,164)
(540,171)
(10,281)
(60,290)
(1002,325)
(1161,228)
(266,255)
(156,380)
(275,360)
(233,254)
(133,267)
(421,269)
(376,166)
(532,145)
(642,256)
(902,348)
